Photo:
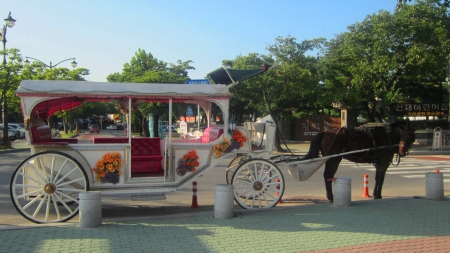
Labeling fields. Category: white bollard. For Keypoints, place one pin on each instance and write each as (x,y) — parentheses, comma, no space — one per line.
(90,209)
(342,192)
(224,201)
(434,184)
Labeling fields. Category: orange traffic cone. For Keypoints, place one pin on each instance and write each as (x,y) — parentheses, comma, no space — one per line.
(277,194)
(194,195)
(366,187)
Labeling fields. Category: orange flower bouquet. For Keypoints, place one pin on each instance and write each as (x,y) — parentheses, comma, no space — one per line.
(237,141)
(189,162)
(239,138)
(219,148)
(109,168)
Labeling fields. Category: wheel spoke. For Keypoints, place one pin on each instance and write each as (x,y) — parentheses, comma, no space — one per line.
(64,204)
(70,182)
(47,210)
(67,196)
(32,202)
(55,205)
(29,194)
(62,178)
(32,179)
(43,169)
(40,205)
(60,169)
(35,172)
(70,190)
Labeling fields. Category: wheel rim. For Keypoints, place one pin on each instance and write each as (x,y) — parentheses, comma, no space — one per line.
(232,167)
(45,187)
(258,184)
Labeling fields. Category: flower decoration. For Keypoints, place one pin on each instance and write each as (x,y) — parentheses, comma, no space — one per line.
(109,168)
(239,138)
(189,162)
(219,148)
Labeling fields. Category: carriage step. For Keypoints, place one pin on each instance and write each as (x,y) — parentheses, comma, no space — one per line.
(148,196)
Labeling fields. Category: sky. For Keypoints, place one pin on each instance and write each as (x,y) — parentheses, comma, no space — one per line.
(103,35)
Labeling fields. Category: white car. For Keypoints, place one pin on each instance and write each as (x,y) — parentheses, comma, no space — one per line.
(18,128)
(112,127)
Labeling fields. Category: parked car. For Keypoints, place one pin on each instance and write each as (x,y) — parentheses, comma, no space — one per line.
(112,127)
(18,128)
(166,129)
(94,128)
(12,134)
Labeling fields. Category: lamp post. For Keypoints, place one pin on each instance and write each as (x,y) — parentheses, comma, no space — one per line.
(73,63)
(9,22)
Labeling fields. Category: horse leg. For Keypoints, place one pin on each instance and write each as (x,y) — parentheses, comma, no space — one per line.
(331,167)
(380,172)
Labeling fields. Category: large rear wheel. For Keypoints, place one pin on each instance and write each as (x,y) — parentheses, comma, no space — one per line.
(258,184)
(44,188)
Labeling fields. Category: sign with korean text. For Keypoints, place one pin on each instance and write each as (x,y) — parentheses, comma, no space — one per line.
(423,109)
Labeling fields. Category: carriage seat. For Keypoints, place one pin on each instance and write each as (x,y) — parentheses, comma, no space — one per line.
(42,135)
(146,155)
(211,134)
(102,140)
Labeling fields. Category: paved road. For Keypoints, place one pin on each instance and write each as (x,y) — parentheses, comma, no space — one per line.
(405,180)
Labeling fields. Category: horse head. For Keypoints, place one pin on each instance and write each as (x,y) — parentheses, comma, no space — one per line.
(405,136)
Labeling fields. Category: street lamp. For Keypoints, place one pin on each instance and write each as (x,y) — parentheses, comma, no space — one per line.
(73,63)
(9,22)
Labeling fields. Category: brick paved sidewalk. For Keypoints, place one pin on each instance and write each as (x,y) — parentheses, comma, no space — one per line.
(412,225)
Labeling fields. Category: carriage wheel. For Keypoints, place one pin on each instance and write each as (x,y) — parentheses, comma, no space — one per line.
(232,167)
(44,188)
(258,184)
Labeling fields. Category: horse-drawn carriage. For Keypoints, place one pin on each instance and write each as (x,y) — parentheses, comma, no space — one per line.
(45,186)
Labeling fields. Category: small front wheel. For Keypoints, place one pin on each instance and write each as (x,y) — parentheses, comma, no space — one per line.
(44,188)
(258,184)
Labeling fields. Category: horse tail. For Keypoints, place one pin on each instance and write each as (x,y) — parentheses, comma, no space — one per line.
(314,147)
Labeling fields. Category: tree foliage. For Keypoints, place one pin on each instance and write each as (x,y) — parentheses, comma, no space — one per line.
(388,58)
(145,68)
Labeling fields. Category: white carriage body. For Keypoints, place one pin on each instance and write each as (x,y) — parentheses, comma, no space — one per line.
(43,98)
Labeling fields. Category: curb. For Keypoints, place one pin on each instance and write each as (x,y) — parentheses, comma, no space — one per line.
(14,150)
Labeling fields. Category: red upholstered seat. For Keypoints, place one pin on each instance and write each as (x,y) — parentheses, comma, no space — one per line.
(211,134)
(42,135)
(145,155)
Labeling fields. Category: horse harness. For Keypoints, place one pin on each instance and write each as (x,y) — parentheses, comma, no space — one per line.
(368,130)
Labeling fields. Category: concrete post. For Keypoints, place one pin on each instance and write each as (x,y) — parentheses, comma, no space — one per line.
(342,192)
(434,184)
(224,201)
(90,209)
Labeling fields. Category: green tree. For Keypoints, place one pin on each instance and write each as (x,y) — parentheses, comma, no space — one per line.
(144,68)
(388,58)
(292,84)
(10,76)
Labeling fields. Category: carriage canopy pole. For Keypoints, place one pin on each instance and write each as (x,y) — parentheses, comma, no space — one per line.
(335,155)
(169,142)
(129,120)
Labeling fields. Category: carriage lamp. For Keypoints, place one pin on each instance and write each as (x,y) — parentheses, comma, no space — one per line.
(232,125)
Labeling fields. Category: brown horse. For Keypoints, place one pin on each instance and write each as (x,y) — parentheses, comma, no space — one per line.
(381,143)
